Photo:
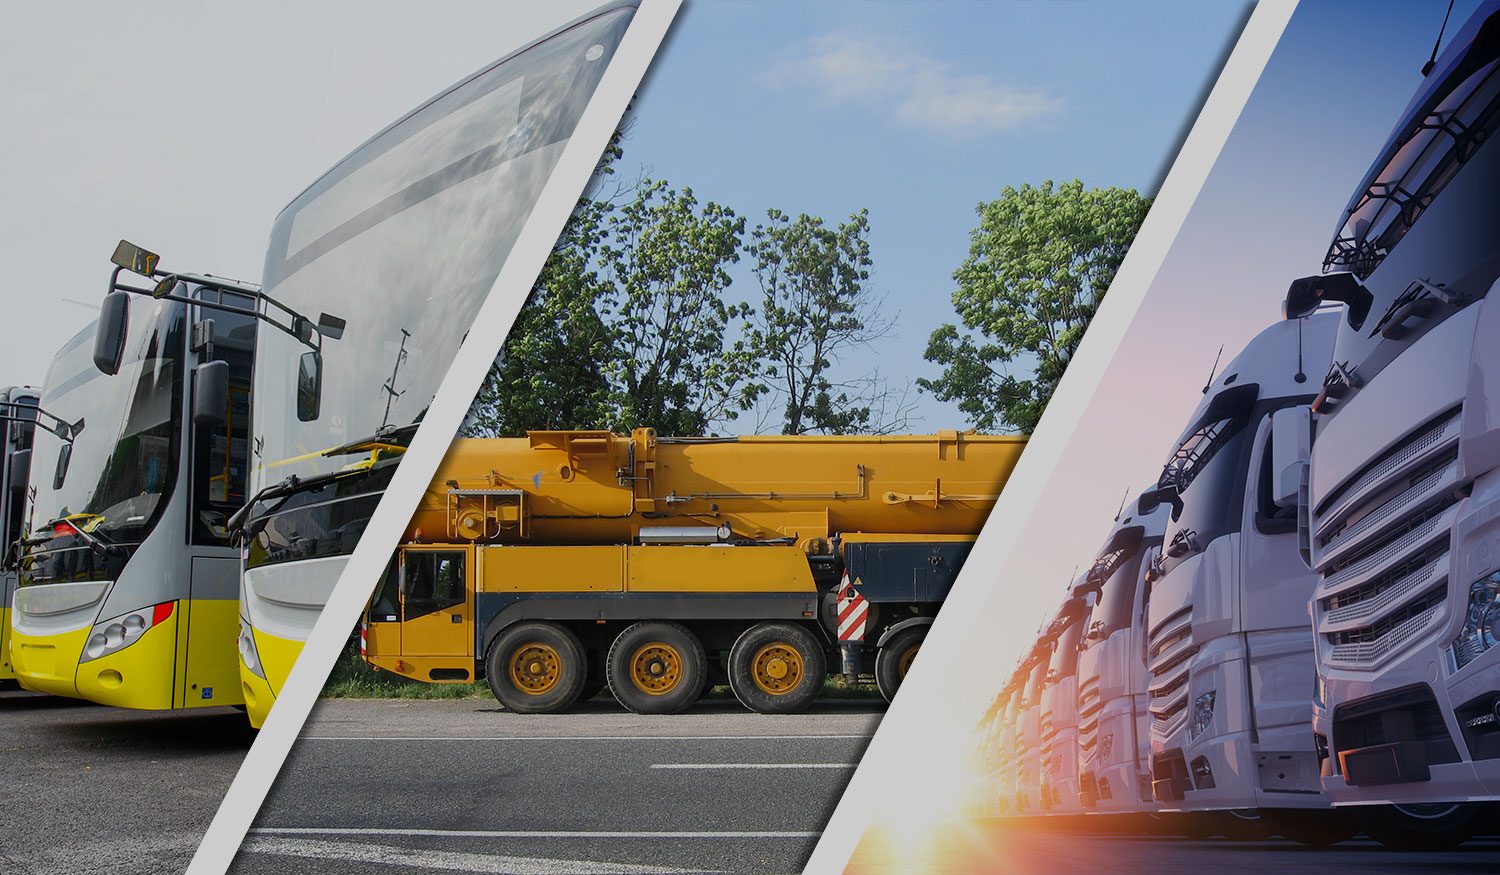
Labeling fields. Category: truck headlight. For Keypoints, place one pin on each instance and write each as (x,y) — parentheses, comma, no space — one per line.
(248,654)
(1106,745)
(1203,714)
(1480,622)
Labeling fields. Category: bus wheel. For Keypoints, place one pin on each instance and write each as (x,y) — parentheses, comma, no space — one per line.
(1429,827)
(656,668)
(777,668)
(536,668)
(895,658)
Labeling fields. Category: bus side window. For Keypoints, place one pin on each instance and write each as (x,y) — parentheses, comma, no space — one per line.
(432,581)
(386,607)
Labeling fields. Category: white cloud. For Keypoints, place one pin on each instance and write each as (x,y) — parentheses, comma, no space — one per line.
(918,90)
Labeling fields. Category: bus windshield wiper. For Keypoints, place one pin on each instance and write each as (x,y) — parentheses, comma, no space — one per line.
(386,436)
(97,544)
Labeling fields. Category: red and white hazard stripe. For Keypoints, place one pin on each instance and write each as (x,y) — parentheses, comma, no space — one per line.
(854,610)
(362,642)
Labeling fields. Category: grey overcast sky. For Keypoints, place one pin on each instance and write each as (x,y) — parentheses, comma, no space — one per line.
(186,126)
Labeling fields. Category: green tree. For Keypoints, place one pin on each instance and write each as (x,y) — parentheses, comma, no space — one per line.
(1040,261)
(550,371)
(677,365)
(816,304)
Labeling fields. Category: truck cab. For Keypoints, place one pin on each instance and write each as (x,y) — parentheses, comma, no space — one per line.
(1227,645)
(1403,487)
(1114,738)
(1059,715)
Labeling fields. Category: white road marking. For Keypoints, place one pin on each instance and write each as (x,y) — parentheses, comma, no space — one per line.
(753,765)
(532,833)
(448,861)
(579,737)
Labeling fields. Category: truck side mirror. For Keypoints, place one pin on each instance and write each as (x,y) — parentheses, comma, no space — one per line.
(1307,293)
(1152,499)
(1291,440)
(110,331)
(211,393)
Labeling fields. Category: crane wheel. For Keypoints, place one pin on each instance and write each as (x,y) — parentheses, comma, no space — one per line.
(656,668)
(536,668)
(777,668)
(895,658)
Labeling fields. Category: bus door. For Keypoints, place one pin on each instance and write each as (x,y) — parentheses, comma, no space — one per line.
(437,607)
(220,455)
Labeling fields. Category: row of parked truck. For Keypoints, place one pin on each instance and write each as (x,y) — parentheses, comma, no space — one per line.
(1293,631)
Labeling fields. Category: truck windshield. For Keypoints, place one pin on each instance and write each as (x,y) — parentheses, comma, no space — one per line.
(1207,469)
(1065,657)
(1117,599)
(123,463)
(1444,127)
(403,239)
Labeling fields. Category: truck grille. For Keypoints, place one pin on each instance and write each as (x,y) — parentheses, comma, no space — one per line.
(1089,706)
(1383,548)
(1169,649)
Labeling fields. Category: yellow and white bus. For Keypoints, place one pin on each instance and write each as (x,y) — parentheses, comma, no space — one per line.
(128,582)
(405,236)
(18,415)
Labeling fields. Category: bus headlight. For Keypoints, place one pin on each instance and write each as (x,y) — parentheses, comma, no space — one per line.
(248,654)
(1106,746)
(1480,623)
(112,636)
(1203,714)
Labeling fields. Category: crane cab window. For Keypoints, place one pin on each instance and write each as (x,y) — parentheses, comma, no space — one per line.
(431,581)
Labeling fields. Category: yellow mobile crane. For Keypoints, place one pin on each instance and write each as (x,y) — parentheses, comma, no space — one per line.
(560,562)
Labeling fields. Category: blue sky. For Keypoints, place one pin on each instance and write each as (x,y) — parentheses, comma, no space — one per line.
(918,111)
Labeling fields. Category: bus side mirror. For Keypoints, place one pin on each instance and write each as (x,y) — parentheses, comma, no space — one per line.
(20,469)
(1291,440)
(110,331)
(309,386)
(60,473)
(211,393)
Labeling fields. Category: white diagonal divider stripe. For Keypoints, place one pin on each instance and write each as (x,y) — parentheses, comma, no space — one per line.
(431,441)
(533,833)
(446,861)
(877,785)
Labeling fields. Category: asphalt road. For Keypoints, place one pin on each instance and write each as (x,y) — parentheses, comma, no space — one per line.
(85,788)
(1014,849)
(423,786)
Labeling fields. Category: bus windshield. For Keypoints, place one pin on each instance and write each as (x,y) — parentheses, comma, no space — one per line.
(122,463)
(402,240)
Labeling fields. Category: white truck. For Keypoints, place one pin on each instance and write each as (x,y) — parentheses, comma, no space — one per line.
(1228,645)
(1058,722)
(1401,499)
(1114,739)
